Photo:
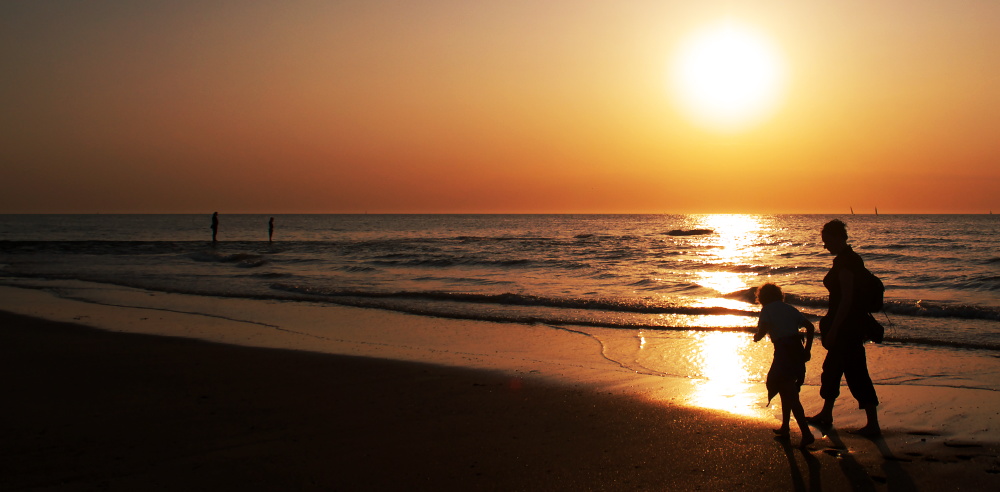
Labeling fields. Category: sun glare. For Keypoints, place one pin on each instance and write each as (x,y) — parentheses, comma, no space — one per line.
(722,363)
(727,76)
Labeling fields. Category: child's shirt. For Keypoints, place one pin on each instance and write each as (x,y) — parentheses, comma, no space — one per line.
(781,320)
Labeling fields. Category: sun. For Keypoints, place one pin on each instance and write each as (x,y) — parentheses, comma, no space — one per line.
(727,76)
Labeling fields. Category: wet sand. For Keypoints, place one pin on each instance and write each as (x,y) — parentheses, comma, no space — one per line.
(92,409)
(125,389)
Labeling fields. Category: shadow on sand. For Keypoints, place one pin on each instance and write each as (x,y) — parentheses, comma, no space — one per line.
(798,481)
(893,476)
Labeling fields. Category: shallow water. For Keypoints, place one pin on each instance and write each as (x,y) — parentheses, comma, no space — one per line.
(625,272)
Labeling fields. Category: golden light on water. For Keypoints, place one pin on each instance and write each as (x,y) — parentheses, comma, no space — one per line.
(721,281)
(725,303)
(733,241)
(720,359)
(718,321)
(734,236)
(724,320)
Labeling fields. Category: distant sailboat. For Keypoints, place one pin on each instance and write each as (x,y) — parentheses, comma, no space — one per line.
(852,210)
(876,210)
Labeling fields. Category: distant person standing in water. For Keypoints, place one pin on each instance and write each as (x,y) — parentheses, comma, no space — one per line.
(215,226)
(781,322)
(843,334)
(270,229)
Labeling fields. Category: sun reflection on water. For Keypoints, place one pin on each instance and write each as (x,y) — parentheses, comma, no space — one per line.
(734,242)
(719,321)
(734,237)
(720,281)
(720,358)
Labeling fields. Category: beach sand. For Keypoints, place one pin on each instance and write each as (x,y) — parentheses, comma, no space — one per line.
(116,405)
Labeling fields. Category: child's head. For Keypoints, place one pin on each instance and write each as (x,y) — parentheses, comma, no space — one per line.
(769,293)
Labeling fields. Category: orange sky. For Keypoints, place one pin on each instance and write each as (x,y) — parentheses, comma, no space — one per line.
(452,106)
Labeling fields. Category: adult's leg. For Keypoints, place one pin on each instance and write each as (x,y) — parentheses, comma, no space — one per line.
(829,390)
(855,369)
(859,381)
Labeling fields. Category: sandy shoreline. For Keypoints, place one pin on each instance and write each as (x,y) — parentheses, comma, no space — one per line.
(99,409)
(125,411)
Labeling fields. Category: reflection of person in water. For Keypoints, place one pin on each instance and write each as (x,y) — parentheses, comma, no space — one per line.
(843,334)
(270,229)
(781,322)
(215,226)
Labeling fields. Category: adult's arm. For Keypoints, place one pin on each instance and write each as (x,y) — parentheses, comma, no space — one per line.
(846,301)
(810,332)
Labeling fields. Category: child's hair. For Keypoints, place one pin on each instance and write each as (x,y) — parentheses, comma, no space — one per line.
(769,293)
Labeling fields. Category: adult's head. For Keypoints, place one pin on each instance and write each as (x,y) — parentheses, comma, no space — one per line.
(834,236)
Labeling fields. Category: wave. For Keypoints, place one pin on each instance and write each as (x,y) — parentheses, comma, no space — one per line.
(377,301)
(464,280)
(646,282)
(767,269)
(689,232)
(96,247)
(985,283)
(922,309)
(935,310)
(601,272)
(885,246)
(911,340)
(454,261)
(749,295)
(530,309)
(272,275)
(511,299)
(243,260)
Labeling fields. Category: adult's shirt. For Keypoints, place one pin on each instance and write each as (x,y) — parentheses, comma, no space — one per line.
(850,261)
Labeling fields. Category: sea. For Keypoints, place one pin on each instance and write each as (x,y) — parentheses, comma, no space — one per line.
(655,272)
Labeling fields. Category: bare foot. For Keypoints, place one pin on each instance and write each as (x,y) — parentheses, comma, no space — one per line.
(868,431)
(782,433)
(820,420)
(807,439)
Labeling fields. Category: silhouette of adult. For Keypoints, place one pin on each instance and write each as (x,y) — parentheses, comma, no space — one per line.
(270,229)
(843,334)
(215,226)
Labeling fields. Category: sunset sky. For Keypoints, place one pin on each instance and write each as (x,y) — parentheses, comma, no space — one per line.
(456,106)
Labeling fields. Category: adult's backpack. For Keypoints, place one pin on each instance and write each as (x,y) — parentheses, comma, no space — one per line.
(871,292)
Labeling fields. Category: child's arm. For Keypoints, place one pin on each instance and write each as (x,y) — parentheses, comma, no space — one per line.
(810,331)
(761,331)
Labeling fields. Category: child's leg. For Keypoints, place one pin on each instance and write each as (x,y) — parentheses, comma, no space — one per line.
(786,411)
(791,396)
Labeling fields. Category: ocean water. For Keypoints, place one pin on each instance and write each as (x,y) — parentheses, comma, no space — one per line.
(655,273)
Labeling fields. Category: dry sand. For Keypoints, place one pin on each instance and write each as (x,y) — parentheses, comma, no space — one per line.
(93,409)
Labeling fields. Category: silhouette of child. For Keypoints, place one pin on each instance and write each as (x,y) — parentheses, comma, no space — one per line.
(781,322)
